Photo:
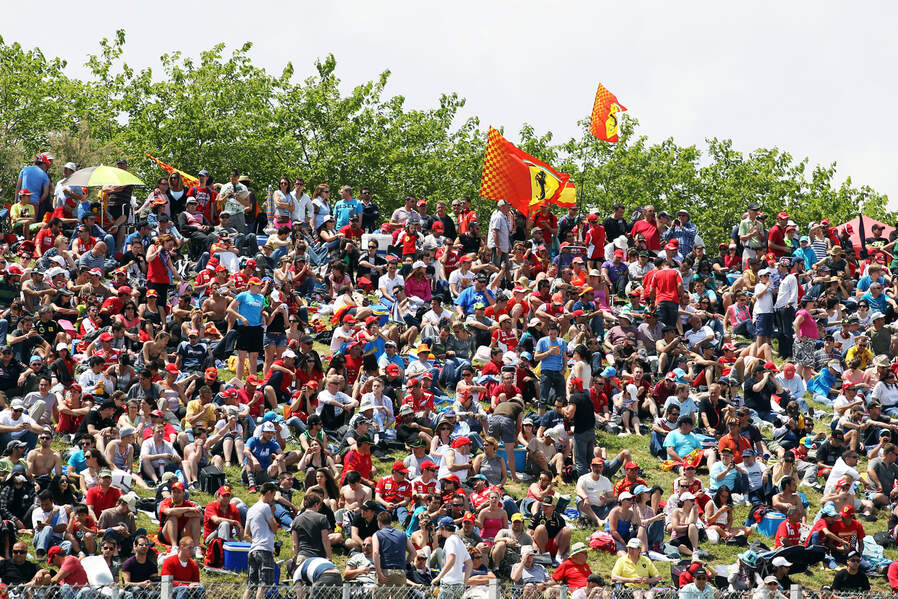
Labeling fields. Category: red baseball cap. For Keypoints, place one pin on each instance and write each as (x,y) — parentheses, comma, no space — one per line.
(558,299)
(412,383)
(224,490)
(212,373)
(53,552)
(158,413)
(124,289)
(106,336)
(847,511)
(251,262)
(399,467)
(619,253)
(782,215)
(630,465)
(771,367)
(178,485)
(172,368)
(428,465)
(392,369)
(252,380)
(459,442)
(468,517)
(672,246)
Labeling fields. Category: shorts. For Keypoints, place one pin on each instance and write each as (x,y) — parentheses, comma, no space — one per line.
(118,210)
(803,350)
(764,324)
(684,540)
(260,568)
(276,339)
(502,428)
(249,339)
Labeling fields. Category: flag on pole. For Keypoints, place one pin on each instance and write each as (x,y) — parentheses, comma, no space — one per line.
(606,111)
(515,176)
(189,180)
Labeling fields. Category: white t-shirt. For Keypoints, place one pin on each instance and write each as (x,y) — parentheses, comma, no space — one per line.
(885,394)
(39,515)
(302,207)
(840,469)
(763,304)
(148,447)
(6,419)
(430,317)
(594,489)
(257,518)
(462,279)
(455,546)
(385,284)
(337,400)
(50,400)
(755,474)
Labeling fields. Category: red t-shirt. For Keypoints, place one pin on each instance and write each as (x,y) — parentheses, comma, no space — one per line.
(787,534)
(573,575)
(818,526)
(451,260)
(509,393)
(666,285)
(507,338)
(205,199)
(256,409)
(423,403)
(76,577)
(409,244)
(168,503)
(353,367)
(360,462)
(650,231)
(393,490)
(595,241)
(101,500)
(182,575)
(350,233)
(44,240)
(465,219)
(240,280)
(286,379)
(776,235)
(850,531)
(214,509)
(421,488)
(545,222)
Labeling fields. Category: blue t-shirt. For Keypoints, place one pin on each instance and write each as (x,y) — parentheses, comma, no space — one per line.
(470,296)
(682,444)
(876,304)
(343,209)
(729,480)
(865,281)
(34,179)
(249,305)
(77,461)
(262,450)
(687,406)
(553,362)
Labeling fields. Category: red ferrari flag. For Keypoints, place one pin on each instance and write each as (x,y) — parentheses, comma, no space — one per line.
(513,175)
(189,180)
(606,111)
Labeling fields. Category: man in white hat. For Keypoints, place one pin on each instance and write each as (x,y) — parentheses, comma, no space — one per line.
(635,571)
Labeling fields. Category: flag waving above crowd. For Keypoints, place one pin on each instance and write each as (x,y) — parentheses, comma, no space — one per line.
(606,111)
(513,175)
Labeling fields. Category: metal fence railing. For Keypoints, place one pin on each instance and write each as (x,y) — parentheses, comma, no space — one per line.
(370,590)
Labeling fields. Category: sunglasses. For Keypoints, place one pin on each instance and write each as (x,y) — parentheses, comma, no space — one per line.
(19,552)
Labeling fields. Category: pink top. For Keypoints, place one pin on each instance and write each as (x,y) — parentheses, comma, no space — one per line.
(418,288)
(808,327)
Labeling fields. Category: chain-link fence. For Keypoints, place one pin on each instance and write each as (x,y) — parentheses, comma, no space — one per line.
(370,590)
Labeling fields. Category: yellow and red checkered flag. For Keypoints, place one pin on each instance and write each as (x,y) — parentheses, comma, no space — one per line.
(189,180)
(606,111)
(513,175)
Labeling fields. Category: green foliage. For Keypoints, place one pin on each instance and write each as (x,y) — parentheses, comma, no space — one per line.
(222,112)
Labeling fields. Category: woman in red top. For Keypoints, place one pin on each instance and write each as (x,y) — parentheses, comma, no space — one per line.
(71,411)
(161,273)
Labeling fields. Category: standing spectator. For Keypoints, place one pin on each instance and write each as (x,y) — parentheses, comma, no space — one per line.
(684,232)
(35,178)
(310,530)
(259,530)
(391,550)
(785,307)
(551,352)
(665,289)
(499,234)
(751,235)
(184,571)
(647,226)
(457,565)
(302,204)
(763,308)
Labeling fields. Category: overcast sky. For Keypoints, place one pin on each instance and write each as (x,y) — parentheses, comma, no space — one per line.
(814,78)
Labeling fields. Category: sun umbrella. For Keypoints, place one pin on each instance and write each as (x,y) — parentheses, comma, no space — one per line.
(96,176)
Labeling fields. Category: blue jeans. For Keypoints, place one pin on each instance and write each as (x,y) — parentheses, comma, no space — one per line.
(550,380)
(46,538)
(295,424)
(281,251)
(283,516)
(746,328)
(4,329)
(451,373)
(189,592)
(583,447)
(70,592)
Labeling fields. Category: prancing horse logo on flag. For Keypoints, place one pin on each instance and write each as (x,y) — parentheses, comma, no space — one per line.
(611,123)
(543,184)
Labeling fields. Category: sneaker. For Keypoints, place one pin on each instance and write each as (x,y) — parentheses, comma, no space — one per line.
(198,552)
(252,489)
(558,560)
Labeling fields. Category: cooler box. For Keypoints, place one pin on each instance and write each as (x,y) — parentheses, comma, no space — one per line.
(520,457)
(769,523)
(236,556)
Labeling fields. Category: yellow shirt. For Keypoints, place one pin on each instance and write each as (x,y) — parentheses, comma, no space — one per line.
(865,356)
(195,407)
(625,568)
(19,211)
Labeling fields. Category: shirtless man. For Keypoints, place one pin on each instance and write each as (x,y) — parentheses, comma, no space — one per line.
(842,495)
(789,498)
(354,493)
(215,307)
(44,460)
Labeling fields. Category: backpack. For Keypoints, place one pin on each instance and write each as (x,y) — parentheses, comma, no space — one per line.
(211,479)
(602,541)
(214,554)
